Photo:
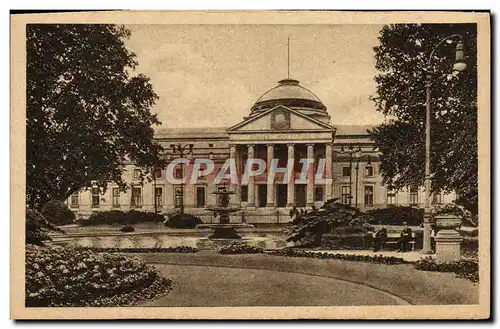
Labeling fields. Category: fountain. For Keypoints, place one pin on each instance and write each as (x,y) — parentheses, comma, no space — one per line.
(224,229)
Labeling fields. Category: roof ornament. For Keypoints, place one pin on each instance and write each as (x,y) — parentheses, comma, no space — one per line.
(288,75)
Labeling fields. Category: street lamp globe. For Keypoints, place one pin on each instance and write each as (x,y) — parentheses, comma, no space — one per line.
(459,58)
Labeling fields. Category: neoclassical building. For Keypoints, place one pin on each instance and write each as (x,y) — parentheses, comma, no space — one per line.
(287,123)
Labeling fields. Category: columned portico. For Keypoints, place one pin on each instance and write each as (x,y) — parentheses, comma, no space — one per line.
(310,176)
(328,171)
(235,186)
(251,179)
(291,180)
(270,187)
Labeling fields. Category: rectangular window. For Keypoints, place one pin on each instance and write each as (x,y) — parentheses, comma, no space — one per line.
(346,171)
(116,197)
(200,196)
(437,198)
(136,197)
(159,196)
(74,200)
(95,197)
(391,196)
(178,172)
(137,173)
(177,196)
(346,194)
(244,193)
(414,195)
(318,193)
(158,173)
(369,195)
(368,171)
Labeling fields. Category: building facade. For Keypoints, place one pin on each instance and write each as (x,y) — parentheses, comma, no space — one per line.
(287,123)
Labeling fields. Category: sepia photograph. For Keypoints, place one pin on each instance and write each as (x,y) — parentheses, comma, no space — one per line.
(241,165)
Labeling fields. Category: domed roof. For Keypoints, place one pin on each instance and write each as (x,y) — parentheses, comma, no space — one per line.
(289,93)
(288,89)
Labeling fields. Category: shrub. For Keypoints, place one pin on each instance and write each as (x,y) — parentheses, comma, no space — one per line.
(37,228)
(183,221)
(309,229)
(114,217)
(239,249)
(178,249)
(379,259)
(70,277)
(464,268)
(127,229)
(347,241)
(456,210)
(58,213)
(396,216)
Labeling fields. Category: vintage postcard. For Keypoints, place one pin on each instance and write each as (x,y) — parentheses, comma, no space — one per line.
(250,165)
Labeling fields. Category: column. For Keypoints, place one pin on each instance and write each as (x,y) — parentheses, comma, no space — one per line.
(235,186)
(290,199)
(328,171)
(270,187)
(251,179)
(310,177)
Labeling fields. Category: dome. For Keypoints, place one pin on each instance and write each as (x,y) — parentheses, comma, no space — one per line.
(288,93)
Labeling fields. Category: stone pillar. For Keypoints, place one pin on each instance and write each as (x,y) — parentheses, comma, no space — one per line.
(328,171)
(290,199)
(270,187)
(234,185)
(448,246)
(310,177)
(251,179)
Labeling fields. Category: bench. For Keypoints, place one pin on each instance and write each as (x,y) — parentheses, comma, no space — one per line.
(392,239)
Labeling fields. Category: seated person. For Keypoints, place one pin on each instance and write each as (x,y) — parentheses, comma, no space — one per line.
(404,239)
(380,237)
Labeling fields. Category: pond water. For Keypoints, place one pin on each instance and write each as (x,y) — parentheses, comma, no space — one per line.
(161,240)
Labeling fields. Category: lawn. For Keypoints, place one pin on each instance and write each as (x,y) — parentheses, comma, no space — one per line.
(207,286)
(404,281)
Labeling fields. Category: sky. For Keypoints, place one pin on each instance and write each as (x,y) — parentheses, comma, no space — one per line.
(211,75)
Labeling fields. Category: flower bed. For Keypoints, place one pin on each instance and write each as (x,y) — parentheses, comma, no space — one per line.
(115,217)
(288,252)
(239,249)
(70,277)
(464,268)
(179,249)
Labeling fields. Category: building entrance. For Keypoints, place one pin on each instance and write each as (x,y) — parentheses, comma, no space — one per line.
(262,191)
(300,195)
(281,195)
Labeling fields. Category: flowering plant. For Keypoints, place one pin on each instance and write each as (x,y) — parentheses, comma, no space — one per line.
(239,249)
(289,252)
(464,268)
(69,277)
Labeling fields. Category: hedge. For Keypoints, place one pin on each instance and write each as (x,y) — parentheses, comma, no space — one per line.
(58,213)
(186,221)
(396,216)
(347,241)
(121,218)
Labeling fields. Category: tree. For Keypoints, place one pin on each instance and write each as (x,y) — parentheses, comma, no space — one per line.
(401,60)
(87,116)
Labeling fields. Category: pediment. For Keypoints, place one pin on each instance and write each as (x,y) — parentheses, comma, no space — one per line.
(280,118)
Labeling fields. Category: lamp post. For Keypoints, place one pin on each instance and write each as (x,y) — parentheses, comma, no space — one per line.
(349,149)
(459,65)
(182,151)
(369,162)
